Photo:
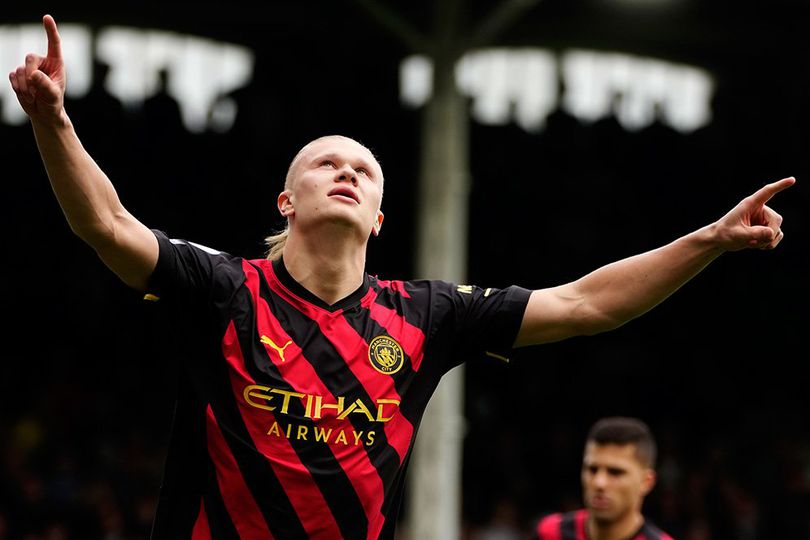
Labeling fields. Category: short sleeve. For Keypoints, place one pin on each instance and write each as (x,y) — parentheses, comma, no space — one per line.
(188,270)
(481,321)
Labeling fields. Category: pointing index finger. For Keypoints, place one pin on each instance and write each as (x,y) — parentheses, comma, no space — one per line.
(765,193)
(54,41)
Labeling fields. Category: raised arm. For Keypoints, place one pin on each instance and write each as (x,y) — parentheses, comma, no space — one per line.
(621,291)
(87,197)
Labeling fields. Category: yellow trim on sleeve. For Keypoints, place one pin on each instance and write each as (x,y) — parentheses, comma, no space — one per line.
(497,356)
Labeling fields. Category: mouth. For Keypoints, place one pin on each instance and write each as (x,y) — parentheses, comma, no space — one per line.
(344,193)
(599,502)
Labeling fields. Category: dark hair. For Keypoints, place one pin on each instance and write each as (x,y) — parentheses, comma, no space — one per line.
(625,430)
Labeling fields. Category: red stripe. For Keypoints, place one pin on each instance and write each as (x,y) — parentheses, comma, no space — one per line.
(303,493)
(351,346)
(352,458)
(201,530)
(239,501)
(397,286)
(579,524)
(549,528)
(409,336)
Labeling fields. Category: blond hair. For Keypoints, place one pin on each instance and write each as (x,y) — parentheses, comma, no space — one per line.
(275,243)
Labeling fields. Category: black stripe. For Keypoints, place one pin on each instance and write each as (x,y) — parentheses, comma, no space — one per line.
(182,484)
(392,299)
(362,323)
(419,385)
(219,521)
(319,460)
(257,473)
(338,378)
(568,529)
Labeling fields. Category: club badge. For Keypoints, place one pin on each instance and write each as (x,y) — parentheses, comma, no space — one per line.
(385,355)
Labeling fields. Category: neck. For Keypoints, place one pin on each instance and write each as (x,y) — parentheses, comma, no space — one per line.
(330,268)
(621,529)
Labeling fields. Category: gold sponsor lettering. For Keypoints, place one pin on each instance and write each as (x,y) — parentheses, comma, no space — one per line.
(302,432)
(322,435)
(261,397)
(279,400)
(257,391)
(380,403)
(319,406)
(352,408)
(285,405)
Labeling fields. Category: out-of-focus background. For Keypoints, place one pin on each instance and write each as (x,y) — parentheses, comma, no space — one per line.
(597,129)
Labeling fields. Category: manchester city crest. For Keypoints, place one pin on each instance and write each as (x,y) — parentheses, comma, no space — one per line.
(385,355)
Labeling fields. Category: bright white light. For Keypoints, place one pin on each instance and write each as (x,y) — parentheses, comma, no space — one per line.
(520,85)
(508,83)
(638,91)
(415,80)
(200,73)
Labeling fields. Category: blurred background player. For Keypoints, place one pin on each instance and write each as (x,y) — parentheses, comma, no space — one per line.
(618,471)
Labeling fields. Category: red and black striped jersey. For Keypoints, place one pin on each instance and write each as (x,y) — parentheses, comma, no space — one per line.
(572,526)
(296,419)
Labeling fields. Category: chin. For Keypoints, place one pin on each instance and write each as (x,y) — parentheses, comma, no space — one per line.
(603,516)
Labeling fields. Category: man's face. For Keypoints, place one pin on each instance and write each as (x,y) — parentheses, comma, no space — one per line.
(336,180)
(614,481)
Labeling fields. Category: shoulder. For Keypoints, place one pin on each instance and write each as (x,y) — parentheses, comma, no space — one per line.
(549,526)
(650,532)
(561,525)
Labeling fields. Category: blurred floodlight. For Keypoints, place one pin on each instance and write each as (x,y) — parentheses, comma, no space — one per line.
(506,83)
(638,91)
(521,85)
(198,73)
(415,80)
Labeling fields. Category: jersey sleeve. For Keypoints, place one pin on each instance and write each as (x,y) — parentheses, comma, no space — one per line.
(548,528)
(480,321)
(186,270)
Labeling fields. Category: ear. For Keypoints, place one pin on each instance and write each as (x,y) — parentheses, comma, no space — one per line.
(648,481)
(378,223)
(284,203)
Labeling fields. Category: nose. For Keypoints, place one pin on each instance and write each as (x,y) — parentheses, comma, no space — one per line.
(600,479)
(347,174)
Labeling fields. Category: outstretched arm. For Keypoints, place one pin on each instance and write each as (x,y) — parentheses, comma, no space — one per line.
(621,291)
(87,197)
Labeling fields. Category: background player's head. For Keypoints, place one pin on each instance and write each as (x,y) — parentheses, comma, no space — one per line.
(314,173)
(618,468)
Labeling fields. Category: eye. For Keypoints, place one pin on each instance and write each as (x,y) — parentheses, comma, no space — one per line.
(328,163)
(362,170)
